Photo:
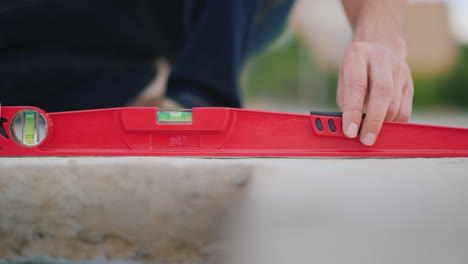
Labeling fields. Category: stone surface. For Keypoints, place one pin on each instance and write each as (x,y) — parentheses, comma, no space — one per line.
(122,208)
(49,260)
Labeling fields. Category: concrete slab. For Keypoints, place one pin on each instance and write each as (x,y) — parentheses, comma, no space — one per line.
(184,210)
(355,211)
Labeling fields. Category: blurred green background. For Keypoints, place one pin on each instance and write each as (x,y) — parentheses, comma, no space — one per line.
(293,73)
(279,72)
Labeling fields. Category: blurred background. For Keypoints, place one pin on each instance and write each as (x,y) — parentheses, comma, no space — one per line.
(298,72)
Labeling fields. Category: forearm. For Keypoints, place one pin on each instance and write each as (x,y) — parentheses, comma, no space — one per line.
(380,21)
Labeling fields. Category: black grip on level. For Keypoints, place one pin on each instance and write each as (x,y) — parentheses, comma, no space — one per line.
(318,124)
(331,125)
(326,113)
(331,114)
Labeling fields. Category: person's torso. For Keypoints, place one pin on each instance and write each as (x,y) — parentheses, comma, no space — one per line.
(108,27)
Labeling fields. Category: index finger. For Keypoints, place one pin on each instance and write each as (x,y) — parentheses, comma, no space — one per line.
(379,100)
(355,82)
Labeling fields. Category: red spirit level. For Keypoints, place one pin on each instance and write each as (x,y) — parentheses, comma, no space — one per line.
(211,132)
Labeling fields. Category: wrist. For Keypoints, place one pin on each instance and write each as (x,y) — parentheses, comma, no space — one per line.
(394,40)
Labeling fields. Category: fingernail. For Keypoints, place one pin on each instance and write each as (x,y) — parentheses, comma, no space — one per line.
(369,139)
(352,130)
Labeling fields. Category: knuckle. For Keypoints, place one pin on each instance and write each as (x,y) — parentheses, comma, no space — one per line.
(374,123)
(348,60)
(404,65)
(400,69)
(387,57)
(403,68)
(384,89)
(353,110)
(358,85)
(357,48)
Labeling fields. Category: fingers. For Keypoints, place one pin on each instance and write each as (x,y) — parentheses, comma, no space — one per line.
(399,81)
(375,78)
(340,91)
(380,97)
(406,108)
(355,86)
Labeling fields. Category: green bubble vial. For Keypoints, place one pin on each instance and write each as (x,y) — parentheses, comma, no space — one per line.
(29,128)
(174,117)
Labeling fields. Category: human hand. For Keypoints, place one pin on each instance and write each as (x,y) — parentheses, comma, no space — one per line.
(376,78)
